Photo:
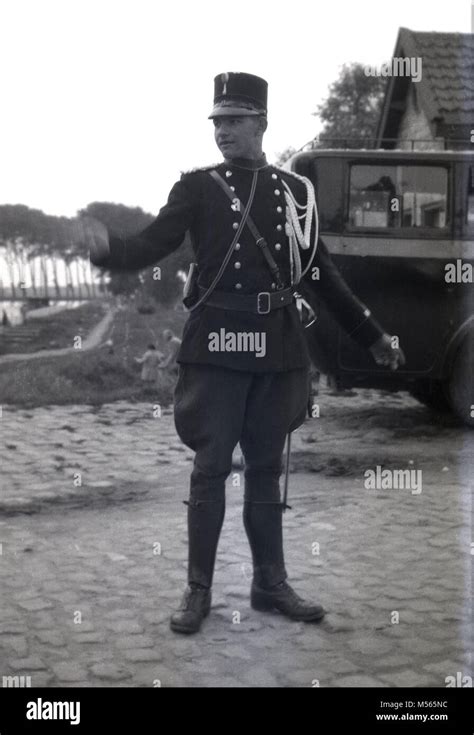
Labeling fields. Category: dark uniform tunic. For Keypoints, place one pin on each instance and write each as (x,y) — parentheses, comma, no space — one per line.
(196,203)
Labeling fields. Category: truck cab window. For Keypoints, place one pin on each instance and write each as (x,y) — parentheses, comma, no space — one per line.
(398,196)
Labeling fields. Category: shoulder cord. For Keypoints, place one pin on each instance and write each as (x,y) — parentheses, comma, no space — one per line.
(296,235)
(232,246)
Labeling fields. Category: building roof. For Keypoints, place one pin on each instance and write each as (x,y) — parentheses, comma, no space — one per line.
(446,90)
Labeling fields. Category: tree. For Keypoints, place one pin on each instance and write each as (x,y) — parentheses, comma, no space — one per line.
(352,109)
(120,220)
(31,237)
(18,232)
(284,155)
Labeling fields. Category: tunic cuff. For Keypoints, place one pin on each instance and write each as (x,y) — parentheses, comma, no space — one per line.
(367,332)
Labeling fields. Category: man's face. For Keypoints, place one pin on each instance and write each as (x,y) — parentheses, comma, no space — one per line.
(237,137)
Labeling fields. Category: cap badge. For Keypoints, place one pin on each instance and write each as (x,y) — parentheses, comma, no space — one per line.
(225,79)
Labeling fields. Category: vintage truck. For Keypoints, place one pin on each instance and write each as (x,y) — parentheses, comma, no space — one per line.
(400,226)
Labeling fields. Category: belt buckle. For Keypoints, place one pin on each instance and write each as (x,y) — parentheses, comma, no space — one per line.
(268,304)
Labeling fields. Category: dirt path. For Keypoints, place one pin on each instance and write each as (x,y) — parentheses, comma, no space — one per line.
(93,339)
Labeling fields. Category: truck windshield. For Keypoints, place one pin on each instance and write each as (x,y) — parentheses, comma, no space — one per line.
(395,196)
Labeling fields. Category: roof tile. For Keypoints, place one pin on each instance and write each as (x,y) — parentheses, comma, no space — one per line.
(448,70)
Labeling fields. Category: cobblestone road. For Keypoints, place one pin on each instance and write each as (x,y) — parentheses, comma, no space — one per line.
(93,554)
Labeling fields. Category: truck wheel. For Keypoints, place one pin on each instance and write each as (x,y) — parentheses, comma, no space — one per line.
(432,393)
(461,381)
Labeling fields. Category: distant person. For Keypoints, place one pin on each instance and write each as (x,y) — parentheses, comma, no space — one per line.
(174,344)
(110,346)
(5,320)
(151,362)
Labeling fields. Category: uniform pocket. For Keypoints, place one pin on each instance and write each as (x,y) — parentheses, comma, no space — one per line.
(184,411)
(180,386)
(302,395)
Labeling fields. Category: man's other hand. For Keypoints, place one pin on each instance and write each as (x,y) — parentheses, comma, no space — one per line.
(94,236)
(385,353)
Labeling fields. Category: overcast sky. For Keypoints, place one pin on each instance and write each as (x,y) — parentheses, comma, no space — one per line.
(108,100)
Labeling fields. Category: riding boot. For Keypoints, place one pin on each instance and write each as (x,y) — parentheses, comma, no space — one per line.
(270,591)
(263,525)
(205,518)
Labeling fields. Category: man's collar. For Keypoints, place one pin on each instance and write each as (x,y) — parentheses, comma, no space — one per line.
(249,163)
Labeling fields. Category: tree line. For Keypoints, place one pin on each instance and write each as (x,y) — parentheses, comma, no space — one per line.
(34,245)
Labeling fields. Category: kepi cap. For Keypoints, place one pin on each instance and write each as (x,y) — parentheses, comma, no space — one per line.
(237,93)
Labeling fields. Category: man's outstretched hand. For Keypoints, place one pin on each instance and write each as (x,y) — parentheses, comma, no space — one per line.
(95,238)
(384,353)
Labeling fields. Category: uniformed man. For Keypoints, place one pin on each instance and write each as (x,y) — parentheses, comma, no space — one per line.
(243,362)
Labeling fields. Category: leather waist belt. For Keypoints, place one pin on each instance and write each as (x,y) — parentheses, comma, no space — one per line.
(258,303)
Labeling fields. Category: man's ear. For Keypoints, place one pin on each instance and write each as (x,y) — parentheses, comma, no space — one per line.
(263,124)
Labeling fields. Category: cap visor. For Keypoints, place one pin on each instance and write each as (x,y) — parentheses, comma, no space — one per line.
(232,111)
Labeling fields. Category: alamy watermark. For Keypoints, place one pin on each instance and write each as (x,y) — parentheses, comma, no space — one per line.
(223,341)
(380,479)
(458,272)
(459,680)
(46,710)
(398,67)
(16,682)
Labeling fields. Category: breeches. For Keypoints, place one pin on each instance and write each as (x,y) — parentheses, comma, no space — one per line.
(215,408)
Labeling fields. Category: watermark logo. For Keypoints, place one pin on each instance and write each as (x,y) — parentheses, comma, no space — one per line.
(223,341)
(380,479)
(458,272)
(16,682)
(398,67)
(460,680)
(39,710)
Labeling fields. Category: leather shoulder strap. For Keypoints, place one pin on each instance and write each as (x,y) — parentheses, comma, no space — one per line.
(232,245)
(223,184)
(261,242)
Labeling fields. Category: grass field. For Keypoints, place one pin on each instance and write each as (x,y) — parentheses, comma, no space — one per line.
(102,375)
